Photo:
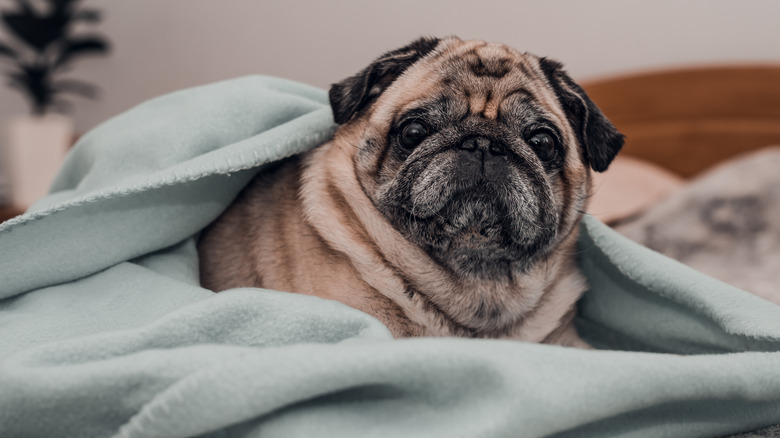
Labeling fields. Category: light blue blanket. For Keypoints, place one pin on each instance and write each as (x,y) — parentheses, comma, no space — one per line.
(104,330)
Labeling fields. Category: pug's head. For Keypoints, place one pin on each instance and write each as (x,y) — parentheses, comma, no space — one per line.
(477,153)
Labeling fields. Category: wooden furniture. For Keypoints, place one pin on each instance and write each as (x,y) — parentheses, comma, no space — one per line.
(7,212)
(686,120)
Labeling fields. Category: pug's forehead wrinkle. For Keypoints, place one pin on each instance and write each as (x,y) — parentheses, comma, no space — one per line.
(517,98)
(438,110)
(435,65)
(447,72)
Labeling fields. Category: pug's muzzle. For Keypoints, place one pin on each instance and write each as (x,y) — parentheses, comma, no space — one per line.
(475,197)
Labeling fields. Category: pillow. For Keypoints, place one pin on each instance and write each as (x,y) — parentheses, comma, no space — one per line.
(629,186)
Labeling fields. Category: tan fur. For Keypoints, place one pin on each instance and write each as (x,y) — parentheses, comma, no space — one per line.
(309,227)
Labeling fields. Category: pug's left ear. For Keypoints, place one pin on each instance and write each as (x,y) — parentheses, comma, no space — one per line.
(599,138)
(352,95)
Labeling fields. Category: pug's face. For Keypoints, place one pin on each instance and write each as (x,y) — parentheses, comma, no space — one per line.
(475,152)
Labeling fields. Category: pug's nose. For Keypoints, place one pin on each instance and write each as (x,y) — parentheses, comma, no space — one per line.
(482,158)
(482,144)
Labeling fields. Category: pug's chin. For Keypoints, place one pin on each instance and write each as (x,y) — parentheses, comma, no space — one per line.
(479,237)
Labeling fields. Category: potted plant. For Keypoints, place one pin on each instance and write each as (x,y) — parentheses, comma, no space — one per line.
(43,48)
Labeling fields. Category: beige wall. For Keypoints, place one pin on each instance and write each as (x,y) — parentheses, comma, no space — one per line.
(163,45)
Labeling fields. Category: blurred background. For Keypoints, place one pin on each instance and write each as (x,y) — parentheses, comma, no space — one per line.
(158,46)
(164,45)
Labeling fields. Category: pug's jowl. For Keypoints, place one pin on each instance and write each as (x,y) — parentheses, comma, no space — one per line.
(446,204)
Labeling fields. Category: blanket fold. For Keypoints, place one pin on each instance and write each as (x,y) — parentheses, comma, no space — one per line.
(104,330)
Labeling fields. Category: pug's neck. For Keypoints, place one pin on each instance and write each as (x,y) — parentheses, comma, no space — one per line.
(537,306)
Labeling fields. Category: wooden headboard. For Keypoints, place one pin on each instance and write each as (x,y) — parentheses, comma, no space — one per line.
(686,120)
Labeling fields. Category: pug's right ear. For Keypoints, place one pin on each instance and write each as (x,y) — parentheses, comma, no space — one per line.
(352,95)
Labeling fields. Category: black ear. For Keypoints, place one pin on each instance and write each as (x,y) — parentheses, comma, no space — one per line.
(355,93)
(600,139)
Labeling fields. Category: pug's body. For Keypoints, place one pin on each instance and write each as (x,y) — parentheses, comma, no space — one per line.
(446,204)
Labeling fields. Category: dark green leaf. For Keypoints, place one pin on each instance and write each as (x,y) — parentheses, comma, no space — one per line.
(87,15)
(34,83)
(61,9)
(8,52)
(37,32)
(90,45)
(18,78)
(27,8)
(15,82)
(80,88)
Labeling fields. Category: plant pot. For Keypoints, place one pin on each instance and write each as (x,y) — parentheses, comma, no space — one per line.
(36,147)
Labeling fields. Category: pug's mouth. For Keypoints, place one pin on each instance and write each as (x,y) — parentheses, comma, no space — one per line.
(474,216)
(481,228)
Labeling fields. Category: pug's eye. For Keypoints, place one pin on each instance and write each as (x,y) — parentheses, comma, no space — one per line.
(544,144)
(412,134)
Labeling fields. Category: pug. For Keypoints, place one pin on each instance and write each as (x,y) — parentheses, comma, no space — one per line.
(447,202)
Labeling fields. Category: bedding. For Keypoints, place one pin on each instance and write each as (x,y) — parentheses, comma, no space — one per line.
(629,187)
(105,331)
(723,223)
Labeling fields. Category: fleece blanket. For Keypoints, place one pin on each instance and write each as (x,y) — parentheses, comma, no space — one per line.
(104,330)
